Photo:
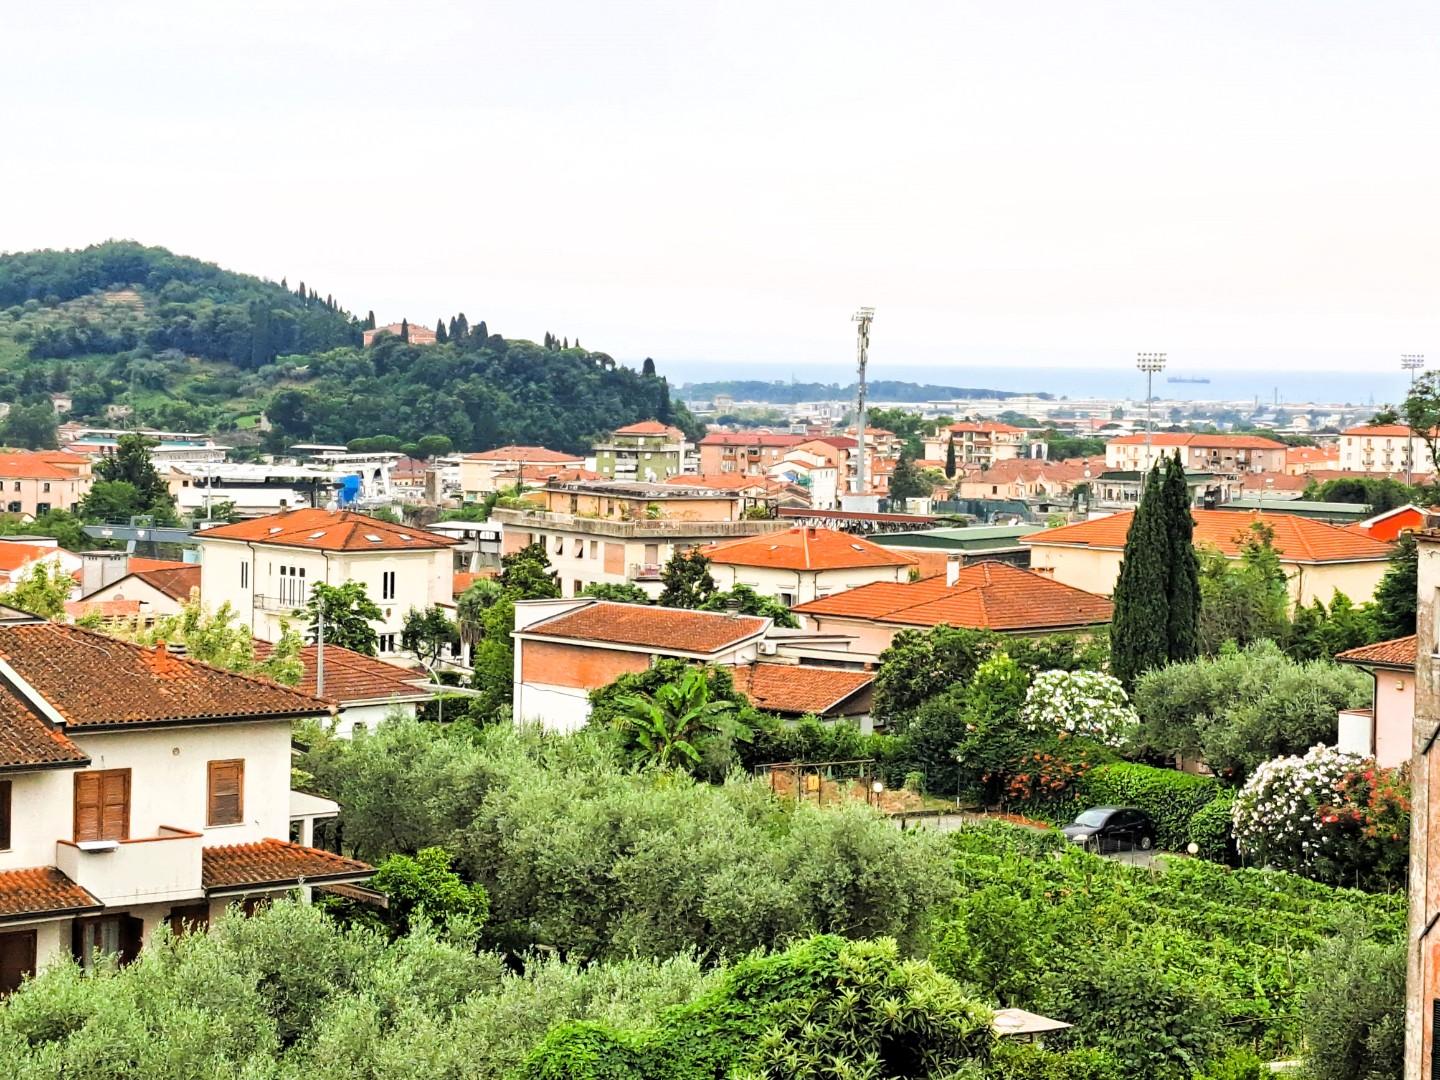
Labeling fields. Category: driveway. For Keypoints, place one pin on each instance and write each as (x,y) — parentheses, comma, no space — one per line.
(951,822)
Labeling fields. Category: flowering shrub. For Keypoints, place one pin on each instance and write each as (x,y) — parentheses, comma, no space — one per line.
(1049,772)
(1329,815)
(1089,704)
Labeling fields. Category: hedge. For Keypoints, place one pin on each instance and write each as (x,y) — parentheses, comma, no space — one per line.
(1169,796)
(1210,827)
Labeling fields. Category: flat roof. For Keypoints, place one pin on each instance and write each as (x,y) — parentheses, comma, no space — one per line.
(975,538)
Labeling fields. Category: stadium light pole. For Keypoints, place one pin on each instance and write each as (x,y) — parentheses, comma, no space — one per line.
(1149,363)
(1411,362)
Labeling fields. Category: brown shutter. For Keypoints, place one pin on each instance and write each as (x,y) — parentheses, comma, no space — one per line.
(102,805)
(226,792)
(87,806)
(17,958)
(4,814)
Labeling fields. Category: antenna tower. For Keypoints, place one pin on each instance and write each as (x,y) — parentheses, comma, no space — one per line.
(862,319)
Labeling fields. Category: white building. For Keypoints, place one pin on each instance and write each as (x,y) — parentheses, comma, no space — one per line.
(139,789)
(360,690)
(265,568)
(1384,448)
(805,563)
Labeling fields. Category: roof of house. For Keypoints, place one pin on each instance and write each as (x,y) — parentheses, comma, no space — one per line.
(723,481)
(463,579)
(14,555)
(1189,438)
(27,741)
(16,466)
(105,609)
(1304,455)
(41,890)
(531,455)
(1379,431)
(94,681)
(1396,653)
(650,427)
(351,676)
(273,862)
(962,538)
(752,438)
(804,548)
(665,629)
(1297,539)
(329,530)
(839,442)
(984,427)
(175,582)
(136,563)
(799,689)
(985,596)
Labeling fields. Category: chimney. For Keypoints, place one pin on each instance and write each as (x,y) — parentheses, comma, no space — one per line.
(952,570)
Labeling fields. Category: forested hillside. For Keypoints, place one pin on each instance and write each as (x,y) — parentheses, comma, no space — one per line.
(187,345)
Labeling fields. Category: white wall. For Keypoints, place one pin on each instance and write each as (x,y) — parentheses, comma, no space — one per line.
(561,709)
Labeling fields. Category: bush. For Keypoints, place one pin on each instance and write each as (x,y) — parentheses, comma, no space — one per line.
(1088,704)
(1169,796)
(1210,827)
(1355,1009)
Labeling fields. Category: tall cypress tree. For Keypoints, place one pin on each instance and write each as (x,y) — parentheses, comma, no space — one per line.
(1182,567)
(482,331)
(1139,626)
(440,336)
(648,368)
(405,330)
(370,321)
(950,459)
(462,328)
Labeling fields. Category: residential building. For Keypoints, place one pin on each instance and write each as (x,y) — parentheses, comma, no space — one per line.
(360,690)
(1335,513)
(981,596)
(137,789)
(980,443)
(18,556)
(820,467)
(967,544)
(1028,478)
(1393,524)
(167,447)
(1422,983)
(265,568)
(416,333)
(1389,449)
(1120,489)
(1300,460)
(801,564)
(1276,487)
(1229,454)
(1318,558)
(1382,731)
(155,592)
(794,691)
(505,466)
(618,532)
(748,452)
(31,484)
(647,452)
(756,492)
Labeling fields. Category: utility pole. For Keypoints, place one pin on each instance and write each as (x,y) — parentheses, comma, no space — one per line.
(320,649)
(863,318)
(1411,362)
(1149,363)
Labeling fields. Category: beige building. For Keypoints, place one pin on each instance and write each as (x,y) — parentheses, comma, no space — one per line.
(805,563)
(621,532)
(1384,448)
(1029,478)
(265,568)
(980,443)
(1198,452)
(750,452)
(32,484)
(504,467)
(1318,558)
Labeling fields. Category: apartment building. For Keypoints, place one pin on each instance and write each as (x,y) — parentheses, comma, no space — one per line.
(623,532)
(803,564)
(265,568)
(505,466)
(980,443)
(140,789)
(1390,449)
(647,452)
(1214,453)
(32,484)
(748,452)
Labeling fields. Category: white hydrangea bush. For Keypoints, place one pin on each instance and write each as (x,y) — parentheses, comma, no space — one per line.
(1085,703)
(1277,814)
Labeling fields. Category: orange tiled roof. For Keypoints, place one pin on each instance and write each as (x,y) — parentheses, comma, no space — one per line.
(1297,539)
(651,627)
(175,582)
(42,890)
(1379,431)
(106,609)
(725,481)
(804,548)
(799,689)
(751,438)
(27,741)
(986,596)
(136,563)
(650,427)
(16,466)
(15,554)
(984,428)
(463,579)
(1272,481)
(529,455)
(1304,455)
(329,530)
(351,676)
(274,863)
(96,681)
(1397,652)
(1186,438)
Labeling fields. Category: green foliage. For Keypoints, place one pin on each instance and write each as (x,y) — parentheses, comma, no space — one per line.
(1246,600)
(127,484)
(1171,798)
(1396,594)
(920,662)
(908,481)
(62,525)
(746,601)
(1421,412)
(424,886)
(219,639)
(349,615)
(1026,1061)
(1379,493)
(665,725)
(1319,633)
(1354,1012)
(30,426)
(1210,827)
(1243,707)
(616,593)
(1139,629)
(427,634)
(493,660)
(42,590)
(686,580)
(978,727)
(1182,629)
(1062,447)
(474,602)
(526,574)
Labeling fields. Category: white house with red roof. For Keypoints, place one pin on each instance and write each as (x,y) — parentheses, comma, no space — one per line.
(265,568)
(1199,452)
(1389,449)
(505,466)
(18,557)
(138,789)
(360,690)
(805,563)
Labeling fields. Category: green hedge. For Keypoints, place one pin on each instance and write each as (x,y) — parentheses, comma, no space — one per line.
(1169,796)
(1210,827)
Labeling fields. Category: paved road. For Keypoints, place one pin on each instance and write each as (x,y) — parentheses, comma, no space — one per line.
(951,822)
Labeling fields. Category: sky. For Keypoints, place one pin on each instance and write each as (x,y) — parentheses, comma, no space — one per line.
(719,186)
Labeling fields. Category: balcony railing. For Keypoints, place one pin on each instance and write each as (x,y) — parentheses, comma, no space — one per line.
(645,571)
(277,604)
(147,869)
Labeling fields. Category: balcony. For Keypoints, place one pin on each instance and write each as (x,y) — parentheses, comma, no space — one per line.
(644,572)
(279,605)
(145,870)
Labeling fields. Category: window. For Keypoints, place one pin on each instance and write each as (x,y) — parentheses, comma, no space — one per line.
(17,959)
(17,486)
(93,938)
(225,792)
(15,507)
(386,643)
(102,805)
(594,549)
(42,508)
(244,575)
(292,586)
(5,815)
(577,587)
(45,487)
(189,917)
(387,585)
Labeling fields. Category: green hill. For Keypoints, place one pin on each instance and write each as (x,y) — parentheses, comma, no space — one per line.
(188,345)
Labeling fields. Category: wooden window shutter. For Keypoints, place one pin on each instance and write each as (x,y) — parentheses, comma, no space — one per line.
(226,792)
(87,806)
(102,805)
(5,814)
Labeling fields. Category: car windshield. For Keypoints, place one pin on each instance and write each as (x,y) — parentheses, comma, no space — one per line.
(1092,819)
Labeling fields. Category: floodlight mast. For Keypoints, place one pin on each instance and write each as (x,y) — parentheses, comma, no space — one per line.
(1411,362)
(1149,363)
(862,319)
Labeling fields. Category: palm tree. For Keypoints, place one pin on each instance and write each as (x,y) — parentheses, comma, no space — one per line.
(474,602)
(667,723)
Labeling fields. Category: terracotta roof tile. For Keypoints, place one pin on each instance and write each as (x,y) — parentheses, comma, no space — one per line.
(1306,455)
(984,428)
(799,689)
(1379,431)
(1187,438)
(106,609)
(529,455)
(1397,652)
(15,554)
(273,862)
(651,627)
(15,466)
(463,579)
(985,596)
(804,548)
(329,530)
(351,676)
(41,890)
(27,741)
(724,481)
(650,427)
(136,564)
(176,583)
(96,681)
(1297,539)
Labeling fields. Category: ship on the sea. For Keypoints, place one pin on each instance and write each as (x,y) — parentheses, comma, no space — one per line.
(1187,379)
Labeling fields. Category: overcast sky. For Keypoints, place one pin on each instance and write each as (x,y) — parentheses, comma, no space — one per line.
(1046,183)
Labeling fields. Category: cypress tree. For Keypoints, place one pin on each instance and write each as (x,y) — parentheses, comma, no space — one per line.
(370,321)
(950,459)
(1139,626)
(454,329)
(440,336)
(284,284)
(1182,567)
(300,290)
(481,332)
(648,368)
(462,328)
(405,330)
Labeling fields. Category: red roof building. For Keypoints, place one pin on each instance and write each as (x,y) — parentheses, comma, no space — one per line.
(1383,731)
(804,563)
(802,690)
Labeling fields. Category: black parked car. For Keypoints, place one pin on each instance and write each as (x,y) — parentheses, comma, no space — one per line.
(1113,828)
